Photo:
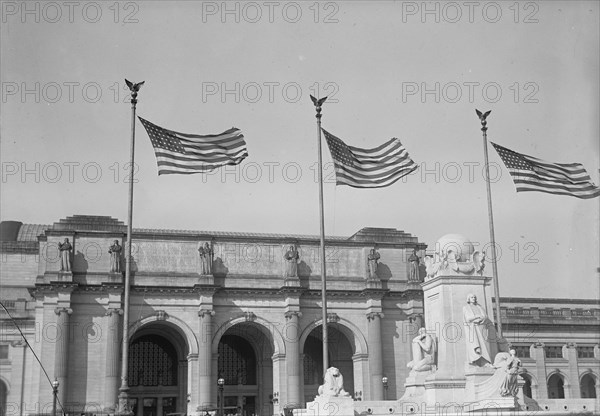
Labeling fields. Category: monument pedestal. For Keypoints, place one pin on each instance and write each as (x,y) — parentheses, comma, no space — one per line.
(291,282)
(328,405)
(64,276)
(373,283)
(493,405)
(445,297)
(414,388)
(115,277)
(475,376)
(461,380)
(444,388)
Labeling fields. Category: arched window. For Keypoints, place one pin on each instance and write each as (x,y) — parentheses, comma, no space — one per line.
(313,360)
(527,386)
(556,388)
(152,362)
(237,361)
(3,398)
(339,350)
(588,387)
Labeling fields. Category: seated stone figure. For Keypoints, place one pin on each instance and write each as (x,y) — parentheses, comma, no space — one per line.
(504,381)
(334,384)
(424,348)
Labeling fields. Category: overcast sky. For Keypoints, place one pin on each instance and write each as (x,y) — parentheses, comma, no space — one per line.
(411,70)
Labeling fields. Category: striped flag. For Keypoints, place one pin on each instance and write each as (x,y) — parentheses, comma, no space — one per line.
(532,174)
(192,153)
(369,168)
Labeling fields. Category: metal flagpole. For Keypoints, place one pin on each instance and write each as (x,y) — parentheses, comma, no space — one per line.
(123,390)
(482,118)
(318,104)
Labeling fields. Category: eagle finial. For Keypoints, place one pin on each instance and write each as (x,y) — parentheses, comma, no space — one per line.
(134,87)
(318,104)
(482,118)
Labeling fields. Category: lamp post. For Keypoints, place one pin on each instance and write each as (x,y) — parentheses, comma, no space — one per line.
(384,380)
(221,383)
(55,385)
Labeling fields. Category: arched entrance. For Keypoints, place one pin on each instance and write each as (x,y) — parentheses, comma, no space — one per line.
(157,371)
(340,351)
(527,386)
(588,387)
(245,362)
(556,388)
(3,397)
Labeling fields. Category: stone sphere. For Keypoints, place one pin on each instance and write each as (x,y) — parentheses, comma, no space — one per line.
(458,243)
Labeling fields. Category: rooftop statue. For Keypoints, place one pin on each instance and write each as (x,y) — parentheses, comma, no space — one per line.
(115,257)
(291,257)
(372,261)
(206,258)
(413,271)
(65,255)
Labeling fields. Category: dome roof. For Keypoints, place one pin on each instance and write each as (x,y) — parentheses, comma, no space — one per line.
(458,243)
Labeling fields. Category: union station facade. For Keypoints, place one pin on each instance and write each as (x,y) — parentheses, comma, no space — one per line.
(247,321)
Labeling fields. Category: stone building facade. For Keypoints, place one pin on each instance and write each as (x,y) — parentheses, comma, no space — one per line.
(557,341)
(244,322)
(249,321)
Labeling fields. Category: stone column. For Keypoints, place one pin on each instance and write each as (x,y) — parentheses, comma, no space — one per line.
(570,353)
(540,370)
(192,381)
(292,341)
(61,352)
(375,354)
(205,375)
(111,384)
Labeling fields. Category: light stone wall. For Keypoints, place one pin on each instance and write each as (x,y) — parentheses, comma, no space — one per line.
(170,267)
(18,269)
(231,258)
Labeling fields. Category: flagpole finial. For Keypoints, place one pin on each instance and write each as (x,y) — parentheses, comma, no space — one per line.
(318,103)
(482,118)
(134,88)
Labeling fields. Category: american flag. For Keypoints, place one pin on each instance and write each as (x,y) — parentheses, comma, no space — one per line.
(532,174)
(192,153)
(369,168)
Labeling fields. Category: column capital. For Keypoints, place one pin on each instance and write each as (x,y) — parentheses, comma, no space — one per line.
(111,311)
(539,344)
(204,311)
(291,314)
(372,315)
(59,310)
(571,345)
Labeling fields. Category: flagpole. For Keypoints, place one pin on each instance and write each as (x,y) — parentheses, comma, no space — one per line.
(124,389)
(482,118)
(318,104)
